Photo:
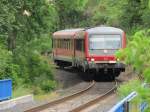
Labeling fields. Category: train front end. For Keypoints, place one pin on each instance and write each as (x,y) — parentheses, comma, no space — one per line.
(101,44)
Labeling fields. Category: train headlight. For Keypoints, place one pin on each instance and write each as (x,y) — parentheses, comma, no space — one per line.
(92,59)
(118,59)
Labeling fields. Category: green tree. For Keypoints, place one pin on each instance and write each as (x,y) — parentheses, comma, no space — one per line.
(71,13)
(25,28)
(25,20)
(138,54)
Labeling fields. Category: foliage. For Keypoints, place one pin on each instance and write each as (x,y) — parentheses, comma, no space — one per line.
(126,14)
(7,67)
(25,28)
(25,20)
(137,53)
(104,12)
(35,68)
(71,14)
(135,85)
(145,12)
(20,91)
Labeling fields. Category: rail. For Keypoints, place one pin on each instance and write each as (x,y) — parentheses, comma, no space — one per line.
(96,100)
(58,101)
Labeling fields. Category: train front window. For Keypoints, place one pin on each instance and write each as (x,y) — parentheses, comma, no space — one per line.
(97,42)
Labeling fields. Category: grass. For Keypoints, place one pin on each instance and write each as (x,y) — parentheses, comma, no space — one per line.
(21,91)
(46,96)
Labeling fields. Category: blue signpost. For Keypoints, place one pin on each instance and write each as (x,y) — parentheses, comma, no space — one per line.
(5,89)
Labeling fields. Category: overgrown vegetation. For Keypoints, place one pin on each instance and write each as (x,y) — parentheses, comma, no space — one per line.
(25,29)
(137,54)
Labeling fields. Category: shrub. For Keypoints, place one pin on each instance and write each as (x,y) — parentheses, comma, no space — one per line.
(36,69)
(48,85)
(137,53)
(135,85)
(7,68)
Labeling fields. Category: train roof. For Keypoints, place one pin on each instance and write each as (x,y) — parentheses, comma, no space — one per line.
(68,31)
(94,30)
(104,30)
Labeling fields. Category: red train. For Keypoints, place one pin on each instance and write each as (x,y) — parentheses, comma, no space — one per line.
(89,49)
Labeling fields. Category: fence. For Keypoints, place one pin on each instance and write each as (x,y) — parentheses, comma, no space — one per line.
(125,105)
(5,89)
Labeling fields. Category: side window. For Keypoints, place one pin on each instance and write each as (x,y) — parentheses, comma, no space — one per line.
(66,44)
(58,43)
(80,44)
(61,43)
(55,43)
(71,44)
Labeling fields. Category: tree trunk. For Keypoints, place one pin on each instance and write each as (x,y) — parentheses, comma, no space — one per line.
(11,40)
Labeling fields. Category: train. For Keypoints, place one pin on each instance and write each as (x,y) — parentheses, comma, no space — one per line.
(90,49)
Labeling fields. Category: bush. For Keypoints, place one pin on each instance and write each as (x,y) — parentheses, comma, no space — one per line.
(36,69)
(137,53)
(48,85)
(7,68)
(135,85)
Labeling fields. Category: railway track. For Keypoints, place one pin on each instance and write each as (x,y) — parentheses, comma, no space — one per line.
(61,100)
(81,107)
(96,100)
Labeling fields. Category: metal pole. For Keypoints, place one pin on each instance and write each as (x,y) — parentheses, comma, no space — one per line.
(126,106)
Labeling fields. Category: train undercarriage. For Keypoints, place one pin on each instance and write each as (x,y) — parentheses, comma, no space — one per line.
(102,71)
